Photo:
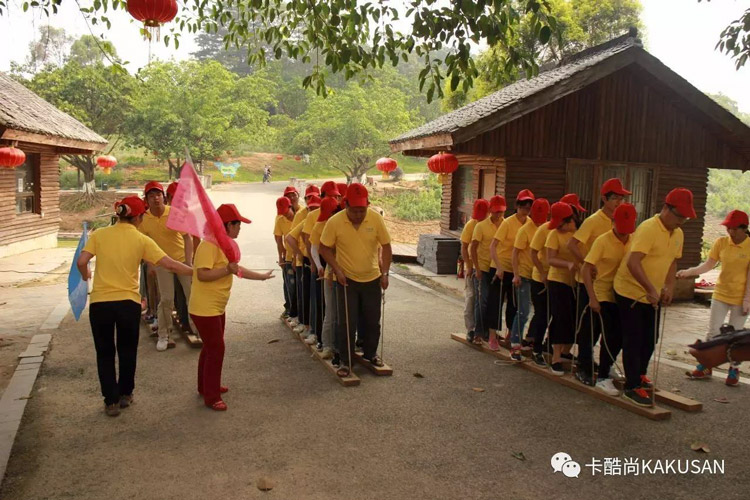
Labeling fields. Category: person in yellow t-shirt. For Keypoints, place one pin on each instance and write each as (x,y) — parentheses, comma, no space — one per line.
(598,272)
(539,293)
(644,280)
(116,299)
(282,226)
(178,246)
(471,306)
(355,234)
(302,265)
(560,280)
(732,292)
(501,251)
(522,272)
(213,277)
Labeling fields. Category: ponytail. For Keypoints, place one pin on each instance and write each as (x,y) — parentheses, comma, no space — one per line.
(122,210)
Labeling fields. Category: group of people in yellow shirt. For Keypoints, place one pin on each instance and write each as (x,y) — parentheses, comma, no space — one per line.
(591,277)
(335,254)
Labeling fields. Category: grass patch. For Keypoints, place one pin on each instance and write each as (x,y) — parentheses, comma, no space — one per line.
(414,205)
(66,243)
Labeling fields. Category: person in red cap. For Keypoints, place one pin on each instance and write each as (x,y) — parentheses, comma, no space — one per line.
(600,222)
(342,187)
(282,226)
(598,272)
(212,283)
(180,300)
(171,190)
(178,246)
(115,297)
(355,234)
(644,281)
(539,293)
(489,287)
(302,267)
(731,295)
(523,272)
(560,278)
(293,195)
(471,306)
(578,209)
(501,252)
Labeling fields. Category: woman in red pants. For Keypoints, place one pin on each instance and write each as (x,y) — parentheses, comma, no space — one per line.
(212,282)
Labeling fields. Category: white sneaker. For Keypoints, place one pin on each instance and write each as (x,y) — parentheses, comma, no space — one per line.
(327,353)
(615,374)
(607,386)
(299,329)
(162,344)
(293,322)
(311,339)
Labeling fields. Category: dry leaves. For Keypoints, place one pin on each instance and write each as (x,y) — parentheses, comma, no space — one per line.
(272,341)
(722,400)
(518,455)
(418,375)
(700,447)
(477,389)
(266,484)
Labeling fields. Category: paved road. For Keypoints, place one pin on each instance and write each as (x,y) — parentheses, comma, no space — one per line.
(399,437)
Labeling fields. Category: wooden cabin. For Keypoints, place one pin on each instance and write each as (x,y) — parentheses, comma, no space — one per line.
(613,110)
(30,194)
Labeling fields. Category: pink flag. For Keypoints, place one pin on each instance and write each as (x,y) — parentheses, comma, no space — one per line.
(192,212)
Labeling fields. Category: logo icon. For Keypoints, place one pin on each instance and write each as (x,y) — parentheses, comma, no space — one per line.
(562,462)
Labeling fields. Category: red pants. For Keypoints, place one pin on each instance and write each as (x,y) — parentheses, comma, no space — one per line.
(211,329)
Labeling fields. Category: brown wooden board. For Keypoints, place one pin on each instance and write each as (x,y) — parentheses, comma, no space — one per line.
(192,339)
(384,370)
(652,413)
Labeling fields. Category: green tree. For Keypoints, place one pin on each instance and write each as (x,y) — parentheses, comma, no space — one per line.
(731,105)
(87,50)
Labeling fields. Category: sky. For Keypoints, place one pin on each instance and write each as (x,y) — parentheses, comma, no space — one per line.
(681,33)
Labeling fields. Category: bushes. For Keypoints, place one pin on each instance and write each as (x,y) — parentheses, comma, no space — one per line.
(69,179)
(416,205)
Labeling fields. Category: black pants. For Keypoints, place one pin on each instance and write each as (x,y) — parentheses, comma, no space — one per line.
(290,284)
(489,293)
(509,298)
(106,317)
(611,337)
(586,340)
(562,308)
(181,304)
(364,316)
(640,330)
(306,291)
(538,325)
(317,289)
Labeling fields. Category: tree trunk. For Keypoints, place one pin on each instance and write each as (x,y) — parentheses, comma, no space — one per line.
(89,187)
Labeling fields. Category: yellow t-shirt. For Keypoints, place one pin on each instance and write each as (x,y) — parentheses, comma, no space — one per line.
(594,226)
(119,250)
(523,240)
(169,240)
(209,298)
(296,233)
(537,243)
(605,255)
(357,249)
(310,221)
(299,218)
(483,233)
(730,287)
(468,231)
(557,240)
(660,248)
(281,227)
(506,237)
(317,232)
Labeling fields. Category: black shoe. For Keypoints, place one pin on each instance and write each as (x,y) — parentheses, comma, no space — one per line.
(584,377)
(566,355)
(527,343)
(470,337)
(336,360)
(539,360)
(557,369)
(319,346)
(638,396)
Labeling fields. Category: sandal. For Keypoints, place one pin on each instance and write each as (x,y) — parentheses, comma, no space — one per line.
(376,361)
(343,372)
(223,389)
(218,406)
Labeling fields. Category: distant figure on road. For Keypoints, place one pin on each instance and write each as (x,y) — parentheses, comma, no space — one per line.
(266,174)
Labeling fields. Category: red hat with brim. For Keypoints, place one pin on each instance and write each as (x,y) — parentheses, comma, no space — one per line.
(313,201)
(682,200)
(614,185)
(481,207)
(327,207)
(525,195)
(329,188)
(498,204)
(290,190)
(229,213)
(356,195)
(134,206)
(559,211)
(572,200)
(172,189)
(625,217)
(312,189)
(539,211)
(282,205)
(151,185)
(735,219)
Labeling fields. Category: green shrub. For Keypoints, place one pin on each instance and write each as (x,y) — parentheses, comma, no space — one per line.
(417,205)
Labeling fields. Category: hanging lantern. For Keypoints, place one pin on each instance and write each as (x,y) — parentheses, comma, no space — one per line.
(153,13)
(106,161)
(107,170)
(443,164)
(11,157)
(386,165)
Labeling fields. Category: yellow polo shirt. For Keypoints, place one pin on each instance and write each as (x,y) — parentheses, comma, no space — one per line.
(557,240)
(310,221)
(660,248)
(483,233)
(357,249)
(317,232)
(605,255)
(169,240)
(209,298)
(119,250)
(594,226)
(299,217)
(281,227)
(468,231)
(730,287)
(506,237)
(537,243)
(296,233)
(523,240)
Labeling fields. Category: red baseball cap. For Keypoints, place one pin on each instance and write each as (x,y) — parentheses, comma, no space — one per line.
(614,185)
(625,216)
(312,189)
(356,195)
(314,201)
(735,219)
(151,185)
(498,204)
(282,205)
(329,189)
(290,189)
(559,211)
(682,200)
(134,206)
(481,207)
(327,207)
(539,211)
(229,213)
(525,195)
(172,189)
(572,200)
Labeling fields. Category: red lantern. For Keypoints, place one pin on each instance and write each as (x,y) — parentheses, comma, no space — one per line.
(107,170)
(106,161)
(279,157)
(153,13)
(443,164)
(386,165)
(11,157)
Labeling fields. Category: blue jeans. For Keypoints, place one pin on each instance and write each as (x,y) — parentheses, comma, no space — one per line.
(523,294)
(489,313)
(290,288)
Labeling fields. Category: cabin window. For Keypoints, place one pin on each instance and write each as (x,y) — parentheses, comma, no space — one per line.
(463,181)
(27,185)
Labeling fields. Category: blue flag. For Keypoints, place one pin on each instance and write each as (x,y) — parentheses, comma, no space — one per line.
(78,289)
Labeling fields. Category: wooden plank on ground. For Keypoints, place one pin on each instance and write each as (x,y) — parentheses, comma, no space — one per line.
(652,413)
(382,371)
(677,401)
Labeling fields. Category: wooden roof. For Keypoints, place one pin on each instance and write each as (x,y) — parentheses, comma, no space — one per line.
(24,116)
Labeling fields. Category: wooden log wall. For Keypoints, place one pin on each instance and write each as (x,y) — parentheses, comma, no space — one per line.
(449,223)
(544,176)
(13,227)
